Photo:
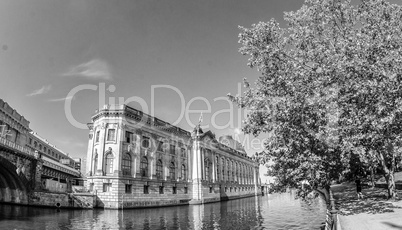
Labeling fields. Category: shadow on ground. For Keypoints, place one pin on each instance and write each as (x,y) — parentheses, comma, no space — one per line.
(374,201)
(393,225)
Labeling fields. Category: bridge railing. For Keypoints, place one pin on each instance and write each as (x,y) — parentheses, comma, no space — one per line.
(13,145)
(59,166)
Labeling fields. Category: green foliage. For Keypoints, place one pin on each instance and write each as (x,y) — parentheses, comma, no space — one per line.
(329,88)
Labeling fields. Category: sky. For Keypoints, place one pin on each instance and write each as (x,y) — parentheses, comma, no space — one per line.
(160,53)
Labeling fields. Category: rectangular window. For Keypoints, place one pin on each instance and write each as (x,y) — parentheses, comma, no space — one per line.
(44,149)
(160,189)
(111,134)
(210,189)
(146,189)
(160,146)
(145,142)
(30,141)
(173,149)
(183,152)
(107,187)
(128,188)
(185,190)
(97,136)
(129,137)
(226,189)
(174,190)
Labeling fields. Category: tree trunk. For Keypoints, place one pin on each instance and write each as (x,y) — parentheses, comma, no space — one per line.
(372,176)
(389,177)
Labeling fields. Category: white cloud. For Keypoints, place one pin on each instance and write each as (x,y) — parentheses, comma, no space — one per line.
(62,99)
(43,90)
(95,69)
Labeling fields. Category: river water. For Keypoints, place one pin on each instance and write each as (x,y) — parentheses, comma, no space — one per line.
(275,211)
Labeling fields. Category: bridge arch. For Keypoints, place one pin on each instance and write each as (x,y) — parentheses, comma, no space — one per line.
(13,187)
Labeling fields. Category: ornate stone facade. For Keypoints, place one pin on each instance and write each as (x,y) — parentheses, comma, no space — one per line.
(136,160)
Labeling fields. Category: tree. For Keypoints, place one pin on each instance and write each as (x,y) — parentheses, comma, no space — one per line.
(329,87)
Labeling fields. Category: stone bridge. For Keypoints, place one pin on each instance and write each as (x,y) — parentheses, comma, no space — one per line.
(22,169)
(22,172)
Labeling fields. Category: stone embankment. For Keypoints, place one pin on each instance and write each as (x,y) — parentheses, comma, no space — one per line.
(62,200)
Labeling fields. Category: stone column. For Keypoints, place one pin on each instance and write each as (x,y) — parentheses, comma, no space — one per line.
(38,164)
(165,165)
(101,153)
(202,168)
(90,152)
(151,167)
(137,152)
(189,165)
(196,172)
(213,167)
(134,170)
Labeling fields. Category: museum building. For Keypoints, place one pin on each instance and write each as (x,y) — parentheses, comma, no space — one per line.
(136,160)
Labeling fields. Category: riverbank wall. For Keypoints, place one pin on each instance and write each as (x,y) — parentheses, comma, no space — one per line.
(332,219)
(90,201)
(61,200)
(128,201)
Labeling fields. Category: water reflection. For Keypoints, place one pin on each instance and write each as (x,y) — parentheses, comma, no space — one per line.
(277,211)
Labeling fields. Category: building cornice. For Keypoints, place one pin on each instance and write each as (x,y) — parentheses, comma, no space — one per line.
(125,111)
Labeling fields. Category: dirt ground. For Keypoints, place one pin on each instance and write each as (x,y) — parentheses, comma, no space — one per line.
(374,211)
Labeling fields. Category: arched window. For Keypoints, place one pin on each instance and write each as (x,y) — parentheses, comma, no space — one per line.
(237,172)
(126,164)
(207,169)
(217,169)
(159,169)
(144,166)
(183,172)
(233,170)
(223,169)
(241,172)
(172,171)
(228,165)
(109,163)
